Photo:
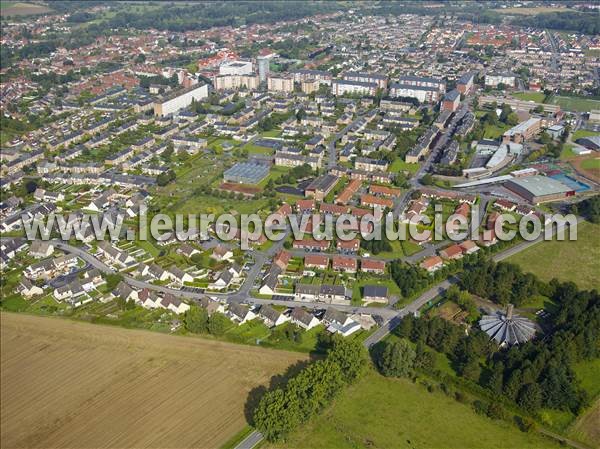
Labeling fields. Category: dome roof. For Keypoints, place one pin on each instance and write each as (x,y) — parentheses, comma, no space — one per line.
(507,328)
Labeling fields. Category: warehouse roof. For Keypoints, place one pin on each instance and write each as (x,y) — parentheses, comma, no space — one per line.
(540,185)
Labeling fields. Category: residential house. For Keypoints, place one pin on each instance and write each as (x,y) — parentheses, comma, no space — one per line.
(341,263)
(375,293)
(302,318)
(28,289)
(316,261)
(372,266)
(41,249)
(240,313)
(221,253)
(432,264)
(453,252)
(271,317)
(339,323)
(211,306)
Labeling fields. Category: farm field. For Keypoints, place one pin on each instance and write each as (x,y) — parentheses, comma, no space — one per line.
(68,384)
(577,261)
(22,9)
(530,11)
(381,412)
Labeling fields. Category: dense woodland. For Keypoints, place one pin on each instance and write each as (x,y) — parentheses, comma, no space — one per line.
(534,375)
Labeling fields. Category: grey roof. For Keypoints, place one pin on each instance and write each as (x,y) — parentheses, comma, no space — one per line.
(239,310)
(540,185)
(269,313)
(452,95)
(507,327)
(247,172)
(375,291)
(334,316)
(302,315)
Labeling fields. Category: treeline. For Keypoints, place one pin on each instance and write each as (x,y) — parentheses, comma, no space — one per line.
(533,375)
(589,208)
(586,23)
(283,409)
(193,17)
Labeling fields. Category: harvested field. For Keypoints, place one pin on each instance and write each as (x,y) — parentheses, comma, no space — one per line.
(77,385)
(22,9)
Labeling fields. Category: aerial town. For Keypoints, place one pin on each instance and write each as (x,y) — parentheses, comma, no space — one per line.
(120,111)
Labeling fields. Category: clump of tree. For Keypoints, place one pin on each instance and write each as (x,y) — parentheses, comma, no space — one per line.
(589,208)
(501,282)
(283,409)
(196,320)
(164,178)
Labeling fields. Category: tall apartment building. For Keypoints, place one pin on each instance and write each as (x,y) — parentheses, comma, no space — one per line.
(377,78)
(280,83)
(320,75)
(425,94)
(508,79)
(226,82)
(309,86)
(179,99)
(418,81)
(341,87)
(263,68)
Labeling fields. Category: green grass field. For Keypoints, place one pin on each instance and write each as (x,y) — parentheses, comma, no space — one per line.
(577,261)
(574,103)
(379,412)
(399,165)
(583,133)
(493,132)
(591,164)
(538,97)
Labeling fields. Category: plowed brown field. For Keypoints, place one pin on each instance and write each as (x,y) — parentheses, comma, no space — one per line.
(66,384)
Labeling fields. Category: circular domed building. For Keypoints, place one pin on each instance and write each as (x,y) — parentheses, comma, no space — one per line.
(507,328)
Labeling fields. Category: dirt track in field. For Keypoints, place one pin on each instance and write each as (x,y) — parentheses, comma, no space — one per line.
(66,384)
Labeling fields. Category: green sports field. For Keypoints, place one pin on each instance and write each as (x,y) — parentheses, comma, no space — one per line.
(577,104)
(538,97)
(381,412)
(577,261)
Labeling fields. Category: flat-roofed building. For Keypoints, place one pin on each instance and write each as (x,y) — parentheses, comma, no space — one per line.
(420,81)
(179,100)
(523,131)
(246,173)
(506,79)
(341,87)
(235,68)
(425,94)
(280,83)
(377,78)
(227,82)
(538,189)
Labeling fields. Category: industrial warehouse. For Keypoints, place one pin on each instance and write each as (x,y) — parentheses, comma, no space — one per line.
(539,189)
